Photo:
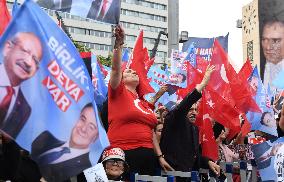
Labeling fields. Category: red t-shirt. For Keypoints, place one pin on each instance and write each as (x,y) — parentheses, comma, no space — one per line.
(131,120)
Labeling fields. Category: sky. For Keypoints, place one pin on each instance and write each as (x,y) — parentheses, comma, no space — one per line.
(212,18)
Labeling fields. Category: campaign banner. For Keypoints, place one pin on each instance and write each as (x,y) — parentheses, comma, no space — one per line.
(204,46)
(265,120)
(100,88)
(269,159)
(278,102)
(178,71)
(107,11)
(108,69)
(47,98)
(158,77)
(191,55)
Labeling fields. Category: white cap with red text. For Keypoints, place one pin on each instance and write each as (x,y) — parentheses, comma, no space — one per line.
(113,153)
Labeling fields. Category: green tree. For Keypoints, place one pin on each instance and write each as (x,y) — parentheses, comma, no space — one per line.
(81,47)
(105,60)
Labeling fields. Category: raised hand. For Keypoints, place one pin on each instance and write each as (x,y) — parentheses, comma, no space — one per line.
(207,75)
(119,36)
(206,78)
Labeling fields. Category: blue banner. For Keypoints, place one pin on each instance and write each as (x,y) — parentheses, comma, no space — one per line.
(204,46)
(178,71)
(158,77)
(269,158)
(265,120)
(191,55)
(47,97)
(99,84)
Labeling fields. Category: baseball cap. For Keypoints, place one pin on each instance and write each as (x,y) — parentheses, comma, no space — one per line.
(113,153)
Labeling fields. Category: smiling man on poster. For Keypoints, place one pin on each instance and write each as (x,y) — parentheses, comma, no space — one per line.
(56,91)
(22,54)
(53,154)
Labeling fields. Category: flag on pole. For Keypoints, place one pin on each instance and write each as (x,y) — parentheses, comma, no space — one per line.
(55,93)
(5,16)
(137,63)
(100,88)
(264,120)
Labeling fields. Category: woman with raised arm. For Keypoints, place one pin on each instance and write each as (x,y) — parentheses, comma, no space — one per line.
(131,118)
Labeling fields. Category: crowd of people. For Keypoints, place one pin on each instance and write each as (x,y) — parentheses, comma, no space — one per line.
(143,138)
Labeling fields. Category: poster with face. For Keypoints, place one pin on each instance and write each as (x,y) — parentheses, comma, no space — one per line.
(269,159)
(178,74)
(271,33)
(46,96)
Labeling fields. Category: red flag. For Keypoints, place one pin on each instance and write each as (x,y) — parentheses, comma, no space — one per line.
(239,91)
(220,60)
(148,62)
(246,126)
(193,77)
(218,108)
(221,110)
(208,141)
(137,63)
(5,16)
(245,71)
(219,79)
(86,54)
(201,64)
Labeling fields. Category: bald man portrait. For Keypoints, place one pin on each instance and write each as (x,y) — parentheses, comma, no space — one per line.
(22,54)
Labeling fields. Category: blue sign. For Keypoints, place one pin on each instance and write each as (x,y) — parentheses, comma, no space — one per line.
(204,46)
(265,120)
(100,88)
(48,96)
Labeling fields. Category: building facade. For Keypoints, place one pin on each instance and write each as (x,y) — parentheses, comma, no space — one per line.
(150,15)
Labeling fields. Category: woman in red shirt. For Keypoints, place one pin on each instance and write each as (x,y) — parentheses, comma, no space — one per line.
(131,119)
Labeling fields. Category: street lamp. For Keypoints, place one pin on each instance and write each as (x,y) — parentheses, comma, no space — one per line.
(239,23)
(183,36)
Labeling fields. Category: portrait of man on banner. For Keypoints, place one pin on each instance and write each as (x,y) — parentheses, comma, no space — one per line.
(53,154)
(267,156)
(271,22)
(107,11)
(45,89)
(20,59)
(178,74)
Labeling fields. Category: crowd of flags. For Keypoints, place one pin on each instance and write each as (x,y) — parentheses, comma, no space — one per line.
(227,96)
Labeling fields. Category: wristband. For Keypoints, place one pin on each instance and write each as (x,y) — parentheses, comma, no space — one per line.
(162,155)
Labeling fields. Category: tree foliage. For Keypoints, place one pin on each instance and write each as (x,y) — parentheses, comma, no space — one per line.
(105,60)
(81,47)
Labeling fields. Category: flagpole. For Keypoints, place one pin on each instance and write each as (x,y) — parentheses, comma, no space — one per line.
(157,41)
(60,19)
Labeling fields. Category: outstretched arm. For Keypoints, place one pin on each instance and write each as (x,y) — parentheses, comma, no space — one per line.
(116,72)
(159,94)
(183,108)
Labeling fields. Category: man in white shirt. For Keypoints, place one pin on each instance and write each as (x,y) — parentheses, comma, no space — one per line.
(272,42)
(22,54)
(59,160)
